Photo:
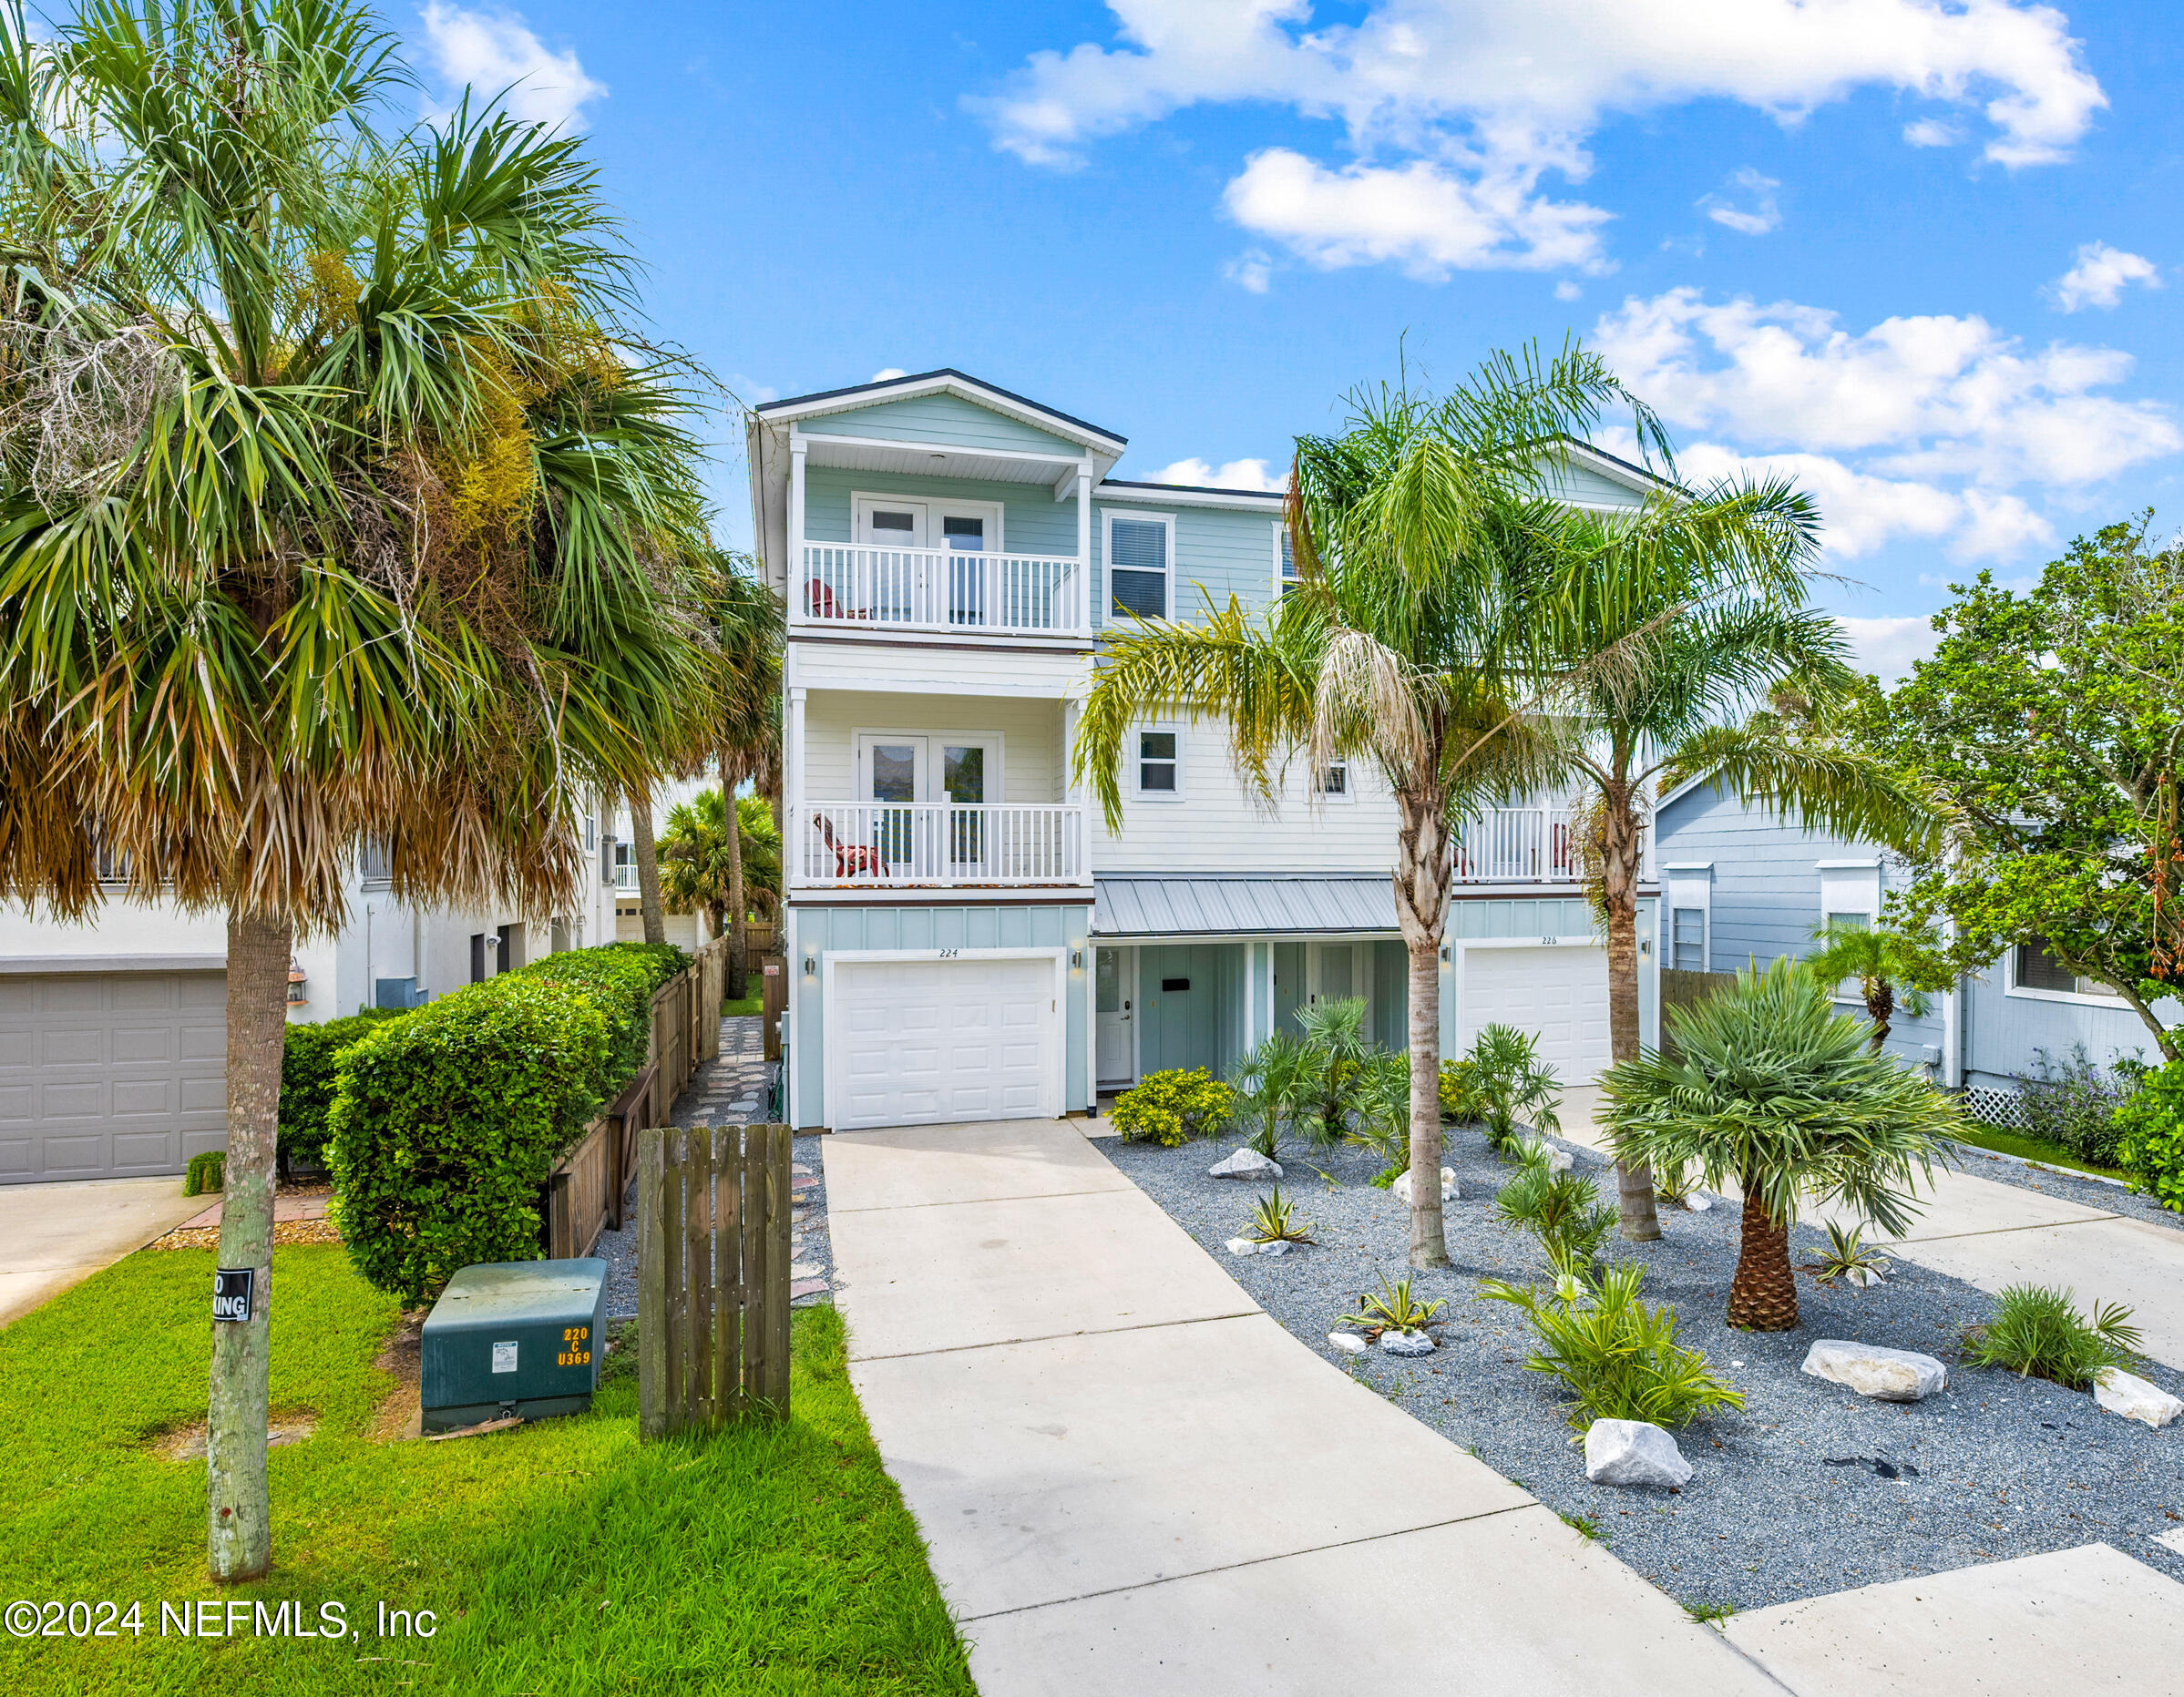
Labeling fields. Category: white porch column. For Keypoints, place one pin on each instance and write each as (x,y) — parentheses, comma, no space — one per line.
(797,444)
(792,787)
(1073,790)
(1084,547)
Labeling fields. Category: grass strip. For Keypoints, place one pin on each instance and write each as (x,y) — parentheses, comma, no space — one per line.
(2030,1149)
(562,1556)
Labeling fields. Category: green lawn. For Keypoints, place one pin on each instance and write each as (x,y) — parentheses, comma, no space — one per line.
(559,1557)
(749,1006)
(2031,1149)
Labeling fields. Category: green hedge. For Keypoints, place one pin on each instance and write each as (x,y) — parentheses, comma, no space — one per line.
(2150,1141)
(446,1121)
(307,1081)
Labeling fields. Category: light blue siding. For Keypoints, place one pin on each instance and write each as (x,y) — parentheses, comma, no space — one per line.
(820,930)
(1580,484)
(1032,520)
(1218,553)
(2004,1033)
(942,419)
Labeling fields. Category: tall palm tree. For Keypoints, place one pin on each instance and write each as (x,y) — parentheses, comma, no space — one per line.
(334,501)
(644,850)
(1891,971)
(1771,1090)
(1419,639)
(748,627)
(1703,593)
(704,865)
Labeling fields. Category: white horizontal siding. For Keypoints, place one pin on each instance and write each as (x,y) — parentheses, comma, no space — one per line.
(972,666)
(1218,827)
(1030,733)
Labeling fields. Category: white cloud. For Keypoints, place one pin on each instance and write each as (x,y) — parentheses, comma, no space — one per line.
(888,373)
(1933,132)
(1567,290)
(1234,475)
(495,54)
(2100,276)
(1926,396)
(1251,271)
(1427,217)
(1762,215)
(1887,646)
(1453,110)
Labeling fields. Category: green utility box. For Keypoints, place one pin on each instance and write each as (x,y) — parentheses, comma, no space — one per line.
(520,1337)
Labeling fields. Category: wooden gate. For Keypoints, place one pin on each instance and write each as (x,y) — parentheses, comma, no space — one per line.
(712,1275)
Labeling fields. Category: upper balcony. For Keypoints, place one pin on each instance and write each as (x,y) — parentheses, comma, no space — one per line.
(955,591)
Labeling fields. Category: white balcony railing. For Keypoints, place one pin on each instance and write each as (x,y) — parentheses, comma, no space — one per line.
(1516,845)
(625,878)
(936,842)
(864,588)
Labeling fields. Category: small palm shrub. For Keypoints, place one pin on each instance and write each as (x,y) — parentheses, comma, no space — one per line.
(2149,1136)
(2072,1102)
(1562,1210)
(1172,1107)
(2038,1332)
(1393,1308)
(1769,1086)
(1846,1254)
(1383,1114)
(1618,1359)
(1275,1220)
(1506,1080)
(1335,1030)
(1276,1082)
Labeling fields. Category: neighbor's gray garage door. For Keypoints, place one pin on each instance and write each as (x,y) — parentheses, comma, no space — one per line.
(105,1075)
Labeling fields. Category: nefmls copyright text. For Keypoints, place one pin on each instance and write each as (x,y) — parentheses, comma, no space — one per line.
(214,1617)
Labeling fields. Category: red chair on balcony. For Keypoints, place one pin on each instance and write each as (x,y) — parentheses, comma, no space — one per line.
(852,859)
(821,601)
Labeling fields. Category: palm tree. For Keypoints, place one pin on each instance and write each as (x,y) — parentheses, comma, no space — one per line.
(702,864)
(1772,1090)
(644,851)
(1704,594)
(1891,971)
(1416,639)
(334,501)
(747,625)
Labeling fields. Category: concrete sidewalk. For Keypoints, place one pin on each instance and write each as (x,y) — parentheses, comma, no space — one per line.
(1131,1480)
(1991,1234)
(60,1234)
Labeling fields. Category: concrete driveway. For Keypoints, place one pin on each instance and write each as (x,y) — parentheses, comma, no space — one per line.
(58,1235)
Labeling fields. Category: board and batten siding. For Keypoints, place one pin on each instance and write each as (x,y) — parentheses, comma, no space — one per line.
(1218,551)
(1032,767)
(820,930)
(944,420)
(1032,520)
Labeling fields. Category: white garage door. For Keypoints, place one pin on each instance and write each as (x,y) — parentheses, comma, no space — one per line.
(920,1041)
(110,1074)
(1560,995)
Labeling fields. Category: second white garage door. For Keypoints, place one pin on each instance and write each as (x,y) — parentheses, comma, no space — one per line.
(918,1041)
(1558,994)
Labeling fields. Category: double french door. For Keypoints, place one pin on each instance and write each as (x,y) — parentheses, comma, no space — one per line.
(929,796)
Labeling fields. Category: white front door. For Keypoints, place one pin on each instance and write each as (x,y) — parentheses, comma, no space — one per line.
(918,1041)
(1336,971)
(883,522)
(1557,995)
(1115,991)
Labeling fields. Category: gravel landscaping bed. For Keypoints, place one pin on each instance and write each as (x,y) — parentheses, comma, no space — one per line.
(1793,1496)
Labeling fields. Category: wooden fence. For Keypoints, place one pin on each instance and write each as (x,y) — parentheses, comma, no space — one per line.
(585,1191)
(712,1275)
(1684,990)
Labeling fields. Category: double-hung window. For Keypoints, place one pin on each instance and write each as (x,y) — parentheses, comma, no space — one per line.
(1138,548)
(1159,765)
(1285,572)
(2034,967)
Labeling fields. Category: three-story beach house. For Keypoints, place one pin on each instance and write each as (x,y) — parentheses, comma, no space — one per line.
(964,938)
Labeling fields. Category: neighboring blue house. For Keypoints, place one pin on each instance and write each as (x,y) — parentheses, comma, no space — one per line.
(1739,884)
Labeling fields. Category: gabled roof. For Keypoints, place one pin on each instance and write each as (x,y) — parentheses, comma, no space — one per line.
(946,380)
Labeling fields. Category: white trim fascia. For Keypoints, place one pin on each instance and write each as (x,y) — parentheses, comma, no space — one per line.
(1637,480)
(1681,791)
(1054,1087)
(891,445)
(856,400)
(1848,865)
(1167,495)
(1594,939)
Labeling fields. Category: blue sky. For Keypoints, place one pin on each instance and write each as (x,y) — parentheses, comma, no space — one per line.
(1923,256)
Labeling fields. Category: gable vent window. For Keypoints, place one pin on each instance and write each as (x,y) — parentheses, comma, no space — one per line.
(1137,567)
(1156,763)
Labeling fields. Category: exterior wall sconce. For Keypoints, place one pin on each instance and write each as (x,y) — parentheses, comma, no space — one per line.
(811,964)
(1444,954)
(1077,960)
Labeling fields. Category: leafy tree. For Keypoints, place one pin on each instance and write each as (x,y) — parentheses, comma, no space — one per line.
(1420,638)
(2051,725)
(1703,593)
(336,499)
(1891,971)
(1774,1090)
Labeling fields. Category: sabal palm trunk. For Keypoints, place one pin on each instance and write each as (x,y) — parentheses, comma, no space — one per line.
(237,1509)
(1880,1007)
(1424,867)
(647,868)
(1619,865)
(1763,1295)
(739,903)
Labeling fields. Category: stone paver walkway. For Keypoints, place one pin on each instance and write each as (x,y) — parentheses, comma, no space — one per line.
(1131,1480)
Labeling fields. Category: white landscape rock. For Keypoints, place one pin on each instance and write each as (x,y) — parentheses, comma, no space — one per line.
(1400,1189)
(1246,1163)
(1349,1343)
(1634,1452)
(1560,1160)
(1864,1276)
(2135,1398)
(1699,1201)
(1406,1344)
(1243,1246)
(1893,1375)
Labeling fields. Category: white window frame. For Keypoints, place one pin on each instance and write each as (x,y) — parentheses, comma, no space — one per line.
(1282,585)
(937,508)
(1134,517)
(1690,887)
(860,773)
(2073,998)
(1850,886)
(1138,793)
(1335,798)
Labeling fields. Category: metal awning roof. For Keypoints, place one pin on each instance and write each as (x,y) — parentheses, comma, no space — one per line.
(1158,906)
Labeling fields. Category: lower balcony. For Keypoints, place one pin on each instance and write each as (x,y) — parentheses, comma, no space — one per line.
(935,845)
